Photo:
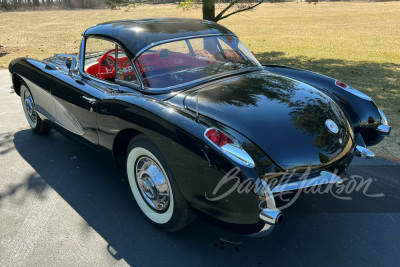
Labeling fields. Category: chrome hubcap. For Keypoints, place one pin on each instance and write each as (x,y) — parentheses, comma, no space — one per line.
(30,106)
(152,183)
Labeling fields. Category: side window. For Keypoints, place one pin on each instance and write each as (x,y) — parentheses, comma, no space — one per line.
(125,71)
(100,59)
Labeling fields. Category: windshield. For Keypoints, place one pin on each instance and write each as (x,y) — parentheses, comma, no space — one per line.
(185,61)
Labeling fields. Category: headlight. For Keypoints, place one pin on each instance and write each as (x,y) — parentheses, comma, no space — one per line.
(383,117)
(229,147)
(352,90)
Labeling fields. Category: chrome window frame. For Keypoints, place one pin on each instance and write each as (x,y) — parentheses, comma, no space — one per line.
(117,82)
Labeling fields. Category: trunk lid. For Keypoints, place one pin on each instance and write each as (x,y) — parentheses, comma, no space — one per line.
(287,119)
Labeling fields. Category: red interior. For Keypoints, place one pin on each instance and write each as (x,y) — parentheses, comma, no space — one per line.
(153,63)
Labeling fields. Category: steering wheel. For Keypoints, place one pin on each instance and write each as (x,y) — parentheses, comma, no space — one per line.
(106,66)
(164,54)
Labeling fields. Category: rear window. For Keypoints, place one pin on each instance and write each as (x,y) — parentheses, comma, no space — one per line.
(184,61)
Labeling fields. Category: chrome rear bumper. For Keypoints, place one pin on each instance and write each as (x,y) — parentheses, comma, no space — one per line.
(324,178)
(384,129)
(364,152)
(271,215)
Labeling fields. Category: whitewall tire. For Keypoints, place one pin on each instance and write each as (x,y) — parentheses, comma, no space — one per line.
(154,188)
(135,155)
(28,104)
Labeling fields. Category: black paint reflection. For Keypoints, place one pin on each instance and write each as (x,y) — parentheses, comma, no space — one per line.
(284,117)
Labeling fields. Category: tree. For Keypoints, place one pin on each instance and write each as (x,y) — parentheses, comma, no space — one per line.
(119,3)
(232,7)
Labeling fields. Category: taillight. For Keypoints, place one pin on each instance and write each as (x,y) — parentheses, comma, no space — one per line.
(218,137)
(229,147)
(352,90)
(341,85)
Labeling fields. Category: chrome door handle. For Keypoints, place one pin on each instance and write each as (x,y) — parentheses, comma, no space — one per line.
(91,100)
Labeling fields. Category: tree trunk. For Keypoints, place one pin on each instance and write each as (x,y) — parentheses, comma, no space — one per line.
(209,10)
(35,3)
(3,4)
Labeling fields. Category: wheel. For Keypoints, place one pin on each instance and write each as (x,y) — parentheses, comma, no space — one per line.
(154,186)
(28,104)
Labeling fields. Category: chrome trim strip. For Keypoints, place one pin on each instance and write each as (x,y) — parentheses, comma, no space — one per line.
(324,178)
(383,117)
(384,129)
(354,91)
(90,100)
(82,62)
(82,56)
(364,152)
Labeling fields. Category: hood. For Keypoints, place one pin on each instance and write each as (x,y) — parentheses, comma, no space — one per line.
(287,119)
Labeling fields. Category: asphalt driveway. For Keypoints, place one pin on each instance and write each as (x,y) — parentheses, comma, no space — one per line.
(63,204)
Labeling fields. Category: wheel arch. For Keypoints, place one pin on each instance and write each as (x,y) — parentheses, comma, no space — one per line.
(120,146)
(16,81)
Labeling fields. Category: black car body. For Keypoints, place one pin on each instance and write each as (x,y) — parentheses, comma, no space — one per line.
(201,113)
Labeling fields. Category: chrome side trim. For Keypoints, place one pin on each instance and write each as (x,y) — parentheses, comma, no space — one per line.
(364,152)
(47,105)
(238,154)
(383,117)
(90,100)
(384,129)
(324,178)
(354,91)
(67,120)
(44,102)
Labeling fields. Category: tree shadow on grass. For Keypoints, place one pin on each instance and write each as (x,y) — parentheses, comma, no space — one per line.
(92,186)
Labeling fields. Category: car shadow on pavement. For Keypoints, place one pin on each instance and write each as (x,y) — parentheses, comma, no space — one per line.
(100,194)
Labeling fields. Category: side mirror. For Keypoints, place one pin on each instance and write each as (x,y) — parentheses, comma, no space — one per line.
(72,64)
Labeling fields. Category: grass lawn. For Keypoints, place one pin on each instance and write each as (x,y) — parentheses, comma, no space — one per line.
(358,43)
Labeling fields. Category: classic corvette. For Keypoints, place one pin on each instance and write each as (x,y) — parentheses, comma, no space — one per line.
(193,119)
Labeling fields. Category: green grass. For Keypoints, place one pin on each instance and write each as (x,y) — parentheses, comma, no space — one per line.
(358,43)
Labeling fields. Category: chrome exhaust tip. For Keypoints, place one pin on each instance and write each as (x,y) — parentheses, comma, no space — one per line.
(272,217)
(364,152)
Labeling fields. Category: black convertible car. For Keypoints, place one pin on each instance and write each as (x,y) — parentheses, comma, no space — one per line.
(196,122)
